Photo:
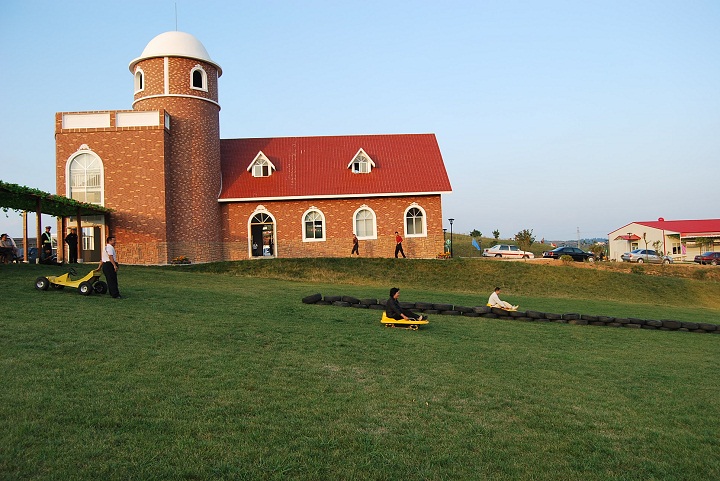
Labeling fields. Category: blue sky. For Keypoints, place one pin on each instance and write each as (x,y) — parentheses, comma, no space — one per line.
(551,115)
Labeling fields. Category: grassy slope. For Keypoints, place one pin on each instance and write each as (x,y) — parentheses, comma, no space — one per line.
(199,375)
(553,288)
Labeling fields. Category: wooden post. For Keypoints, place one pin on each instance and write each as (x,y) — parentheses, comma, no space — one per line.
(25,237)
(38,228)
(79,235)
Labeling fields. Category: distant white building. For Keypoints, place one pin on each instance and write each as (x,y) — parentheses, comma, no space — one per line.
(680,239)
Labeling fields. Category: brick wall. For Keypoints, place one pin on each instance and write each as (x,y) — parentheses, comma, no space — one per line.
(339,227)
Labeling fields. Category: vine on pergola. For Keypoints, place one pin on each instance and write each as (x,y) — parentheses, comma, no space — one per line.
(23,198)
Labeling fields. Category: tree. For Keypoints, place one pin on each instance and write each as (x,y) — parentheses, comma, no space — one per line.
(599,250)
(476,233)
(702,242)
(496,234)
(525,239)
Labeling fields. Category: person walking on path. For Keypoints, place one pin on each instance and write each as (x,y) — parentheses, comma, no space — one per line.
(356,246)
(72,241)
(398,245)
(109,267)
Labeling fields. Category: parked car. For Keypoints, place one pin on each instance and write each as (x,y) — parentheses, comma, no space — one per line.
(708,258)
(646,255)
(505,250)
(574,252)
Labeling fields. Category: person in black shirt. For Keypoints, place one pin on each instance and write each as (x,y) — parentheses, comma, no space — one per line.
(72,241)
(395,311)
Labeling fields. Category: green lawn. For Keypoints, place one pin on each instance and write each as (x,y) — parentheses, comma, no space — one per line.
(219,372)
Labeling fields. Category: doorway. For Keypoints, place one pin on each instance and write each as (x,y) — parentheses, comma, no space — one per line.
(262,236)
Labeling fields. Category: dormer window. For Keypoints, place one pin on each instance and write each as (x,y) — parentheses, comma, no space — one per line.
(261,166)
(198,78)
(361,163)
(139,80)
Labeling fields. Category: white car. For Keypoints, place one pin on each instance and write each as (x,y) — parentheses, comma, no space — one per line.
(505,250)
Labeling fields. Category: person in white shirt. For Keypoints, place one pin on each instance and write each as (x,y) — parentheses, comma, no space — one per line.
(109,267)
(494,301)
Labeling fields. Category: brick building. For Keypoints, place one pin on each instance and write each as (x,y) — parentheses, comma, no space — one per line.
(177,189)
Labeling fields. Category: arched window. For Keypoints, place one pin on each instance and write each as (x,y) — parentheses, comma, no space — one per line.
(415,222)
(139,80)
(313,225)
(198,78)
(85,178)
(364,223)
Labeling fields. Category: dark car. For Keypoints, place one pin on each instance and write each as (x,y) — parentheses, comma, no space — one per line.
(708,258)
(574,252)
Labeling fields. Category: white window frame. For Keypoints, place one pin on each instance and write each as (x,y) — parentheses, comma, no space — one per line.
(85,150)
(414,205)
(260,161)
(303,221)
(371,236)
(139,80)
(361,158)
(203,73)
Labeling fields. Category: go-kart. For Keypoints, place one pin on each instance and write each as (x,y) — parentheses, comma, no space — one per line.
(85,285)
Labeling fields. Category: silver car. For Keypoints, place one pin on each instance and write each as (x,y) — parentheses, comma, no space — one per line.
(646,255)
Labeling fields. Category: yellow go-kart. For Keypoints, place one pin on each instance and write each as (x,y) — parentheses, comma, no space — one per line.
(412,324)
(85,285)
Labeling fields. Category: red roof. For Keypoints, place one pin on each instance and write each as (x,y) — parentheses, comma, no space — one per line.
(405,164)
(687,228)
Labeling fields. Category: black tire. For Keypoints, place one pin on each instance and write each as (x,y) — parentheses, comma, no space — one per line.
(42,283)
(713,262)
(312,299)
(100,287)
(498,255)
(666,261)
(640,261)
(85,288)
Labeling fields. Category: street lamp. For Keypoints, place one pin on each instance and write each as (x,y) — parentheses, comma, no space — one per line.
(629,241)
(444,245)
(451,239)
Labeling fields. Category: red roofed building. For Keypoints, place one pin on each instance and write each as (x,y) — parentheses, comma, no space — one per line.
(178,190)
(680,239)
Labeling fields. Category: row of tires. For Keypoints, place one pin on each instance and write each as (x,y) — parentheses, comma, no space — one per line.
(527,316)
(84,288)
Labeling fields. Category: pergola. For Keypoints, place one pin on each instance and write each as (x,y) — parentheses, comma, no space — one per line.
(26,199)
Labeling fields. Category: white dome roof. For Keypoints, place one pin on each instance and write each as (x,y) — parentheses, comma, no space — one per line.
(175,44)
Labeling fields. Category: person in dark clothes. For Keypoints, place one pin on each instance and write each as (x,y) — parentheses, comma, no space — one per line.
(356,246)
(109,267)
(395,311)
(72,241)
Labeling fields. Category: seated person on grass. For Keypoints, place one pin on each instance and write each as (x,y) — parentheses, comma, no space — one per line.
(393,309)
(494,301)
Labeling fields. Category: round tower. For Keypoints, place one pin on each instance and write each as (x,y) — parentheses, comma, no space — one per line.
(176,75)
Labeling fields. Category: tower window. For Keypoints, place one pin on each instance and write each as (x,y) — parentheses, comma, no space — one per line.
(198,78)
(139,80)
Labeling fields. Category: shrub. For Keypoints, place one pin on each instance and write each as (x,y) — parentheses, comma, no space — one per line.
(566,258)
(637,269)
